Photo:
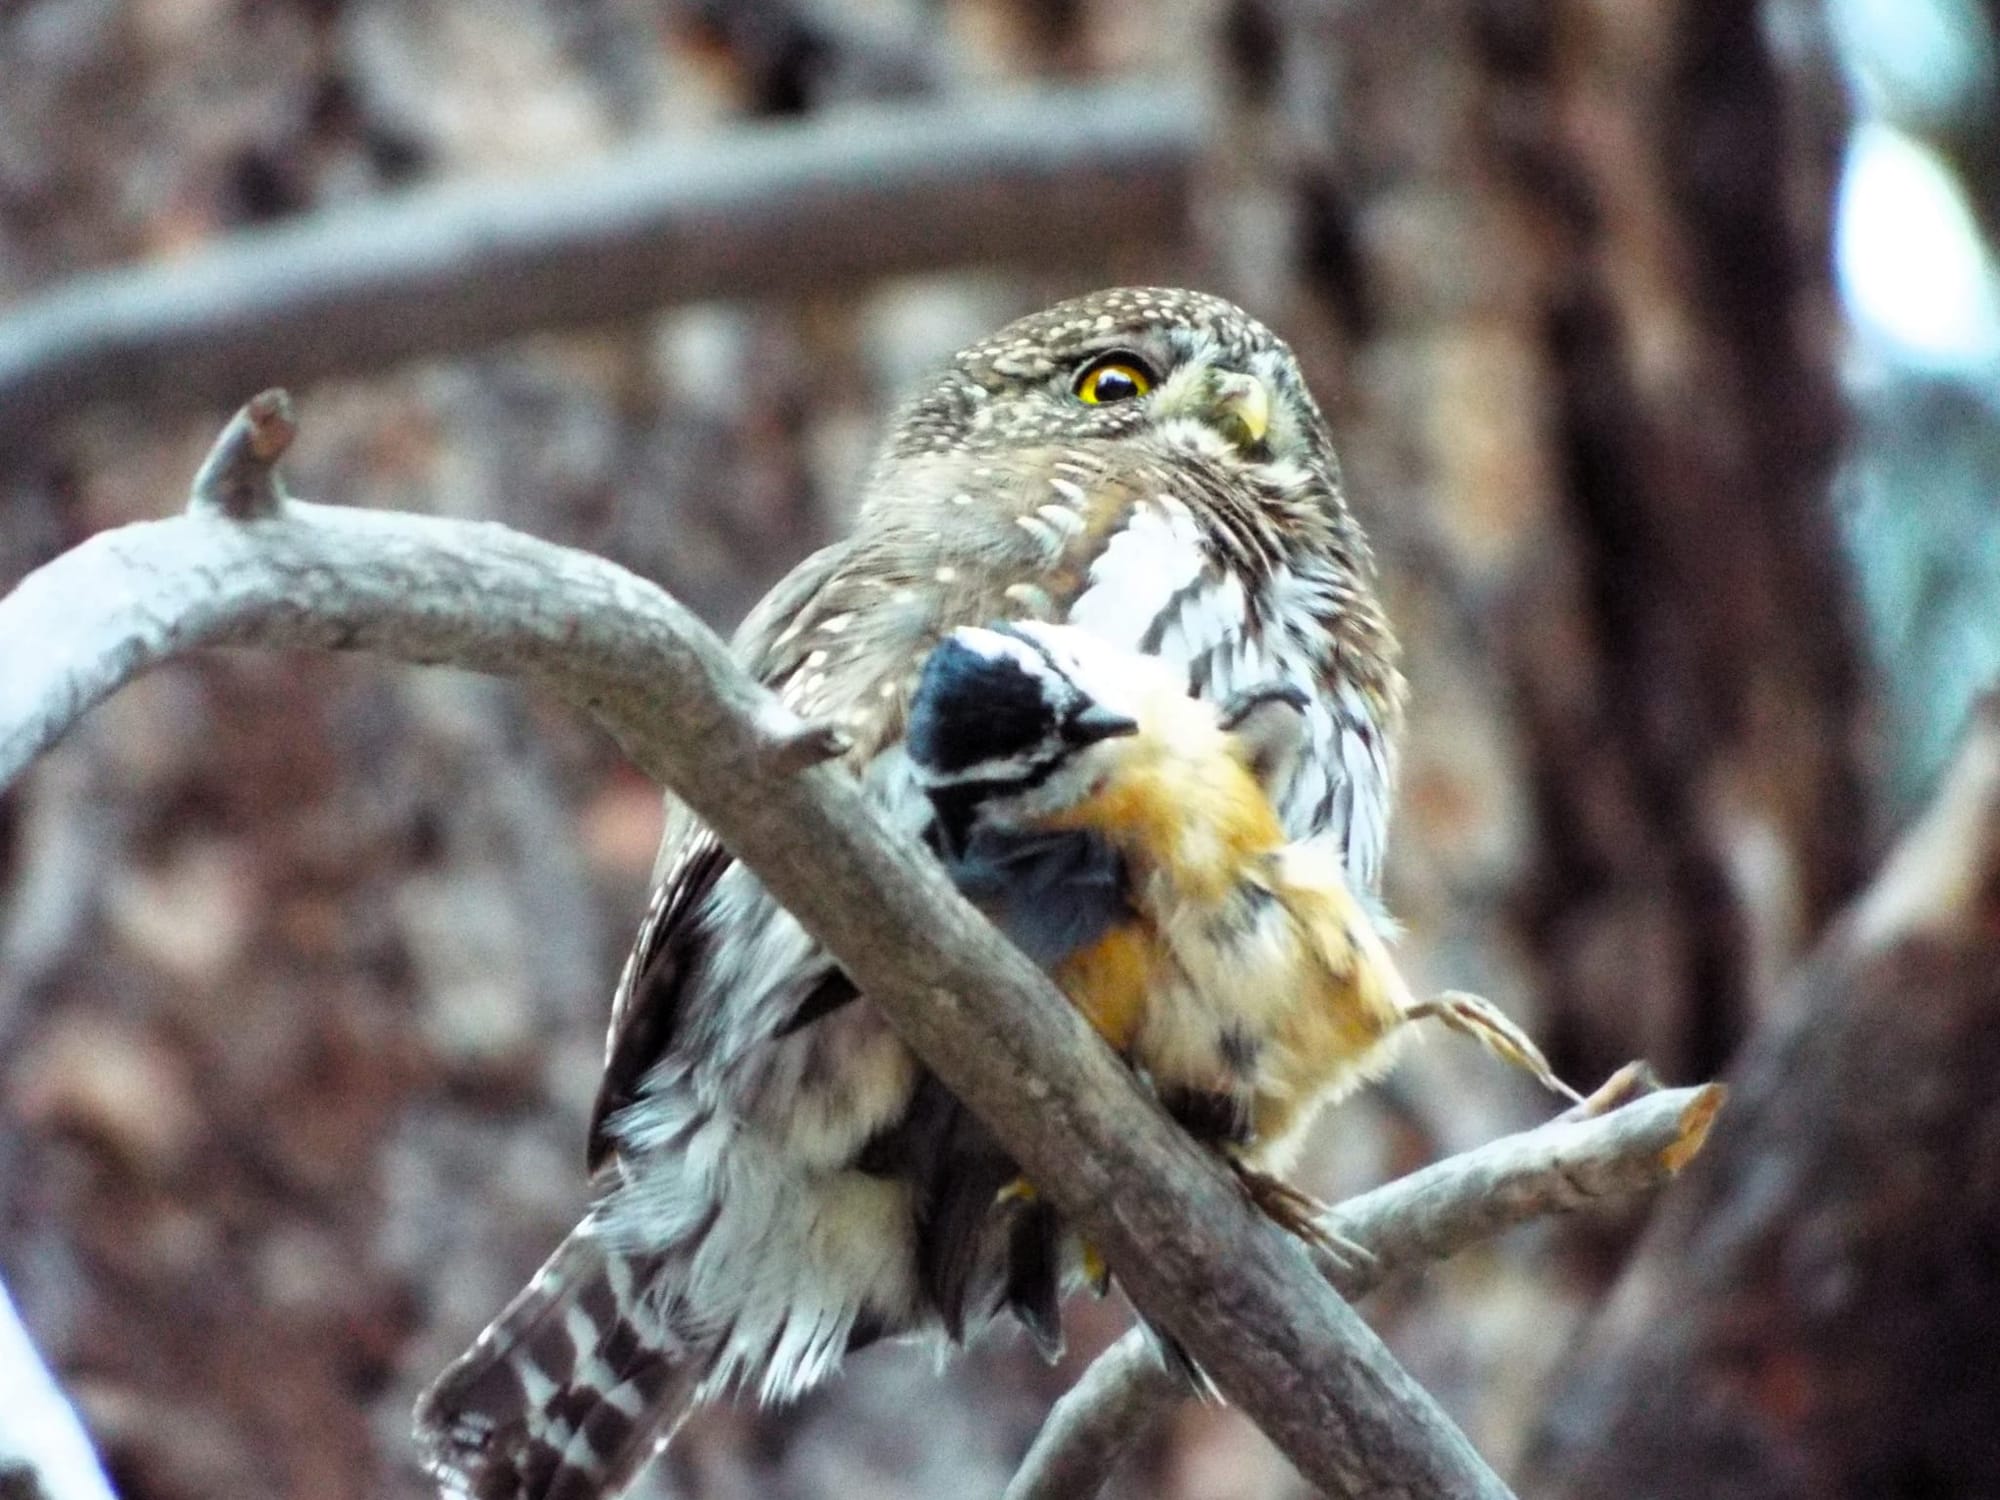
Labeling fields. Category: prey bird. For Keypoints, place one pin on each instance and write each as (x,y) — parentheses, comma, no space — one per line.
(1127,836)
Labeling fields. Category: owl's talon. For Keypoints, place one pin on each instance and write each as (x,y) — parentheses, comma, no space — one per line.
(1300,1215)
(1479,1018)
(1633,1081)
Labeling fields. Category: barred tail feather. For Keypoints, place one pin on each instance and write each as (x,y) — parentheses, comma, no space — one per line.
(569,1391)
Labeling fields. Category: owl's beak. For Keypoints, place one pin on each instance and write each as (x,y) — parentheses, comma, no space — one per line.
(1242,409)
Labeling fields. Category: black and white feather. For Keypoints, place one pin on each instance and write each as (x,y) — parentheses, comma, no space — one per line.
(775,1192)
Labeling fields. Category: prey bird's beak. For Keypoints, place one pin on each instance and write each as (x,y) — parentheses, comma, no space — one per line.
(1096,722)
(1242,409)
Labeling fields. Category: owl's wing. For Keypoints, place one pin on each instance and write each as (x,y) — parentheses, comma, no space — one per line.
(646,1003)
(837,638)
(756,639)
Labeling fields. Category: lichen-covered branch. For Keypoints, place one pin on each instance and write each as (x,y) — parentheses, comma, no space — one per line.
(1239,1294)
(1570,1163)
(773,208)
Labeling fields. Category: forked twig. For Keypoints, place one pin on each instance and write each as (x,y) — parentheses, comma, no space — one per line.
(1612,1146)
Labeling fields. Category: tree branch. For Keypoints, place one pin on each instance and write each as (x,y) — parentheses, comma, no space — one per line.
(1047,179)
(44,1454)
(1570,1163)
(1239,1293)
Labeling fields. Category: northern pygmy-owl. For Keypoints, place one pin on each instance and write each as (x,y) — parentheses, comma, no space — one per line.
(778,1171)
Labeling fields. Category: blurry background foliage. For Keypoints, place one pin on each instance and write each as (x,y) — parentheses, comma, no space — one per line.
(304,963)
(1920,488)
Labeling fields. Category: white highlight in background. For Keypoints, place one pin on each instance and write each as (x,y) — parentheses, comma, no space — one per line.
(1912,266)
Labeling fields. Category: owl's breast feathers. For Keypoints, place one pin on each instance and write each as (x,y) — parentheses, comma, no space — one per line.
(1155,550)
(1161,551)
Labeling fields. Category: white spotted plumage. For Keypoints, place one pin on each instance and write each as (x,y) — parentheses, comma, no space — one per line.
(768,1197)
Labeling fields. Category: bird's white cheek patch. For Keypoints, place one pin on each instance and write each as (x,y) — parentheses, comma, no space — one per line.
(1140,571)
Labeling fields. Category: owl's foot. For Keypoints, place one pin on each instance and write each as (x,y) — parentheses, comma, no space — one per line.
(1483,1021)
(1299,1214)
(1633,1081)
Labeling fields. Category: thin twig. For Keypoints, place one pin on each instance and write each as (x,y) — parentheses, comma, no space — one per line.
(239,478)
(1051,179)
(794,749)
(1567,1164)
(1238,1293)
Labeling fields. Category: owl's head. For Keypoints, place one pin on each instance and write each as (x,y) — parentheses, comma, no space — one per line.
(1189,371)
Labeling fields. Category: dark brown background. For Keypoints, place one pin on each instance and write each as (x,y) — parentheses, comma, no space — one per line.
(303,962)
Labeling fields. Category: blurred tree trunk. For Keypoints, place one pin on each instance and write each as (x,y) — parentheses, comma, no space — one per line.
(1581,250)
(1812,1314)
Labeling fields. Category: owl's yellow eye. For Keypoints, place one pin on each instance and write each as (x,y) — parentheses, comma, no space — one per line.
(1115,377)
